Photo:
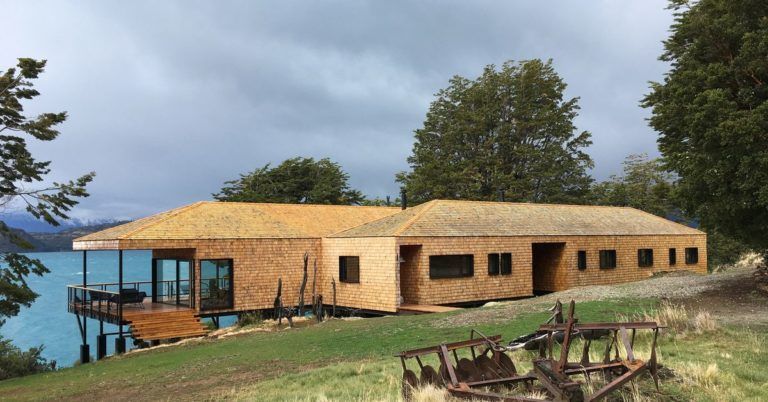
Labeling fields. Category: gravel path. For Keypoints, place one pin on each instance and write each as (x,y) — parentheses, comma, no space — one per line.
(675,286)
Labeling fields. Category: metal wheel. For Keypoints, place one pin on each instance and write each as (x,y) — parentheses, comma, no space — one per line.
(410,382)
(430,376)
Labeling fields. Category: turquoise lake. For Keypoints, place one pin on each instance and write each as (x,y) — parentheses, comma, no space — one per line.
(47,321)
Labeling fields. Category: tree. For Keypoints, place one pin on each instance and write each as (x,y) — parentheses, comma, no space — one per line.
(19,169)
(295,181)
(645,185)
(506,134)
(711,112)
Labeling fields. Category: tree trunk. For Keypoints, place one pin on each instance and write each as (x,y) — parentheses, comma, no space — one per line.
(303,285)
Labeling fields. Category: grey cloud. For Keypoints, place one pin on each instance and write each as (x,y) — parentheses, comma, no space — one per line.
(169,99)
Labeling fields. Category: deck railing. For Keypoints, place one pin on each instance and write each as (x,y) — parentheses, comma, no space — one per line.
(103,301)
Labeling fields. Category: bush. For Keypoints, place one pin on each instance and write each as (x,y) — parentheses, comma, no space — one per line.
(15,362)
(722,250)
(246,319)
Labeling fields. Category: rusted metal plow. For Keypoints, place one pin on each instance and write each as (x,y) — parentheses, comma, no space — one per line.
(480,367)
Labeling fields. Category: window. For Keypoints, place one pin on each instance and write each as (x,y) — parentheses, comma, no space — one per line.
(493,264)
(645,257)
(607,259)
(500,263)
(582,260)
(451,266)
(216,284)
(506,263)
(349,269)
(672,256)
(691,255)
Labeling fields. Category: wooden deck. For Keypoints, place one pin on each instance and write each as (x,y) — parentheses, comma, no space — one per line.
(424,309)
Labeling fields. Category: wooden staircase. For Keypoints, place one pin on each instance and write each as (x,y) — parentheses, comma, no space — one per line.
(167,325)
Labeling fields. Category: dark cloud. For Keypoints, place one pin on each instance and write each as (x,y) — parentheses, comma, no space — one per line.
(169,99)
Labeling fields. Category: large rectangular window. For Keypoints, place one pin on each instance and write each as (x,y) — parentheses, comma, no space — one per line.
(691,255)
(645,257)
(582,260)
(451,266)
(607,259)
(349,269)
(672,257)
(216,284)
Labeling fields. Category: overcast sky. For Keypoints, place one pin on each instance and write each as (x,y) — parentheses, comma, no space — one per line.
(167,100)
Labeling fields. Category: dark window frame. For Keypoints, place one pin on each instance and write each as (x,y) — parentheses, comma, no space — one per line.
(608,259)
(672,257)
(344,269)
(494,264)
(467,271)
(505,265)
(691,255)
(581,260)
(645,257)
(231,290)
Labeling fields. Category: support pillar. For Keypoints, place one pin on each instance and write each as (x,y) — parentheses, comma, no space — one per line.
(85,354)
(101,346)
(119,345)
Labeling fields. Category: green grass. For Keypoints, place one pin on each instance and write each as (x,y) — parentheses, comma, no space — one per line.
(352,359)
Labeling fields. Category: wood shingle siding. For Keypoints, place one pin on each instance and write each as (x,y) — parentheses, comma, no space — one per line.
(267,241)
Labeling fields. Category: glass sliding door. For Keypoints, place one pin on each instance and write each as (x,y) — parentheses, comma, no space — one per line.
(171,281)
(216,284)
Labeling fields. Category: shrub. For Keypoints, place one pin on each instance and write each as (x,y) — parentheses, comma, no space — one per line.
(15,362)
(246,319)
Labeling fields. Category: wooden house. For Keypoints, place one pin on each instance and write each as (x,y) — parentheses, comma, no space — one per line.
(216,258)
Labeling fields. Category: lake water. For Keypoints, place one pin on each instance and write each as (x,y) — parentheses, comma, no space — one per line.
(47,321)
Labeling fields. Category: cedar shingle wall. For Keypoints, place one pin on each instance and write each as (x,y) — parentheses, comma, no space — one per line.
(377,289)
(419,289)
(561,275)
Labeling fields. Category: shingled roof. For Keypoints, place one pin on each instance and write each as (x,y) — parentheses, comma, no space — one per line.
(479,218)
(234,220)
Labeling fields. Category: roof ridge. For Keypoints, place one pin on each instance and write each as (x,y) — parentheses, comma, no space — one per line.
(528,203)
(665,219)
(295,204)
(414,218)
(170,214)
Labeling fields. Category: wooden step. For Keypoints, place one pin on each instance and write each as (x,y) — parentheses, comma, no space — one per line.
(166,325)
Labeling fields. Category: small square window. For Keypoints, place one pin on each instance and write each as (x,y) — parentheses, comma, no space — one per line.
(691,255)
(607,259)
(493,264)
(645,257)
(506,263)
(672,256)
(349,269)
(582,260)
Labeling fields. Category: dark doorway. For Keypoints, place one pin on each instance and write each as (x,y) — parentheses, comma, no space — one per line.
(547,264)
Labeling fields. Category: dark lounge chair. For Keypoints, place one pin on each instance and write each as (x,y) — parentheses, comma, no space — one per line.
(131,296)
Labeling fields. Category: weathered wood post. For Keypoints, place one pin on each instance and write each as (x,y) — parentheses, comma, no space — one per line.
(303,285)
(333,285)
(314,287)
(279,301)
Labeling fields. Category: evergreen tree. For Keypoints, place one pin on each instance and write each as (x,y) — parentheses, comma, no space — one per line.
(19,169)
(294,181)
(644,185)
(506,134)
(711,111)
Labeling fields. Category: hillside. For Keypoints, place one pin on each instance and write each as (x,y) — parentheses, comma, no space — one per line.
(351,359)
(53,241)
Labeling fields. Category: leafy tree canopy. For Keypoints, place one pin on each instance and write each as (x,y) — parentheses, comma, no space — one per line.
(645,185)
(19,170)
(711,111)
(294,181)
(506,134)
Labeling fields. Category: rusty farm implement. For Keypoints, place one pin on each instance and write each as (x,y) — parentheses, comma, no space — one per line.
(480,368)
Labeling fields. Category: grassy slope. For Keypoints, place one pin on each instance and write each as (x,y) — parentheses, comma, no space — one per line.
(352,360)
